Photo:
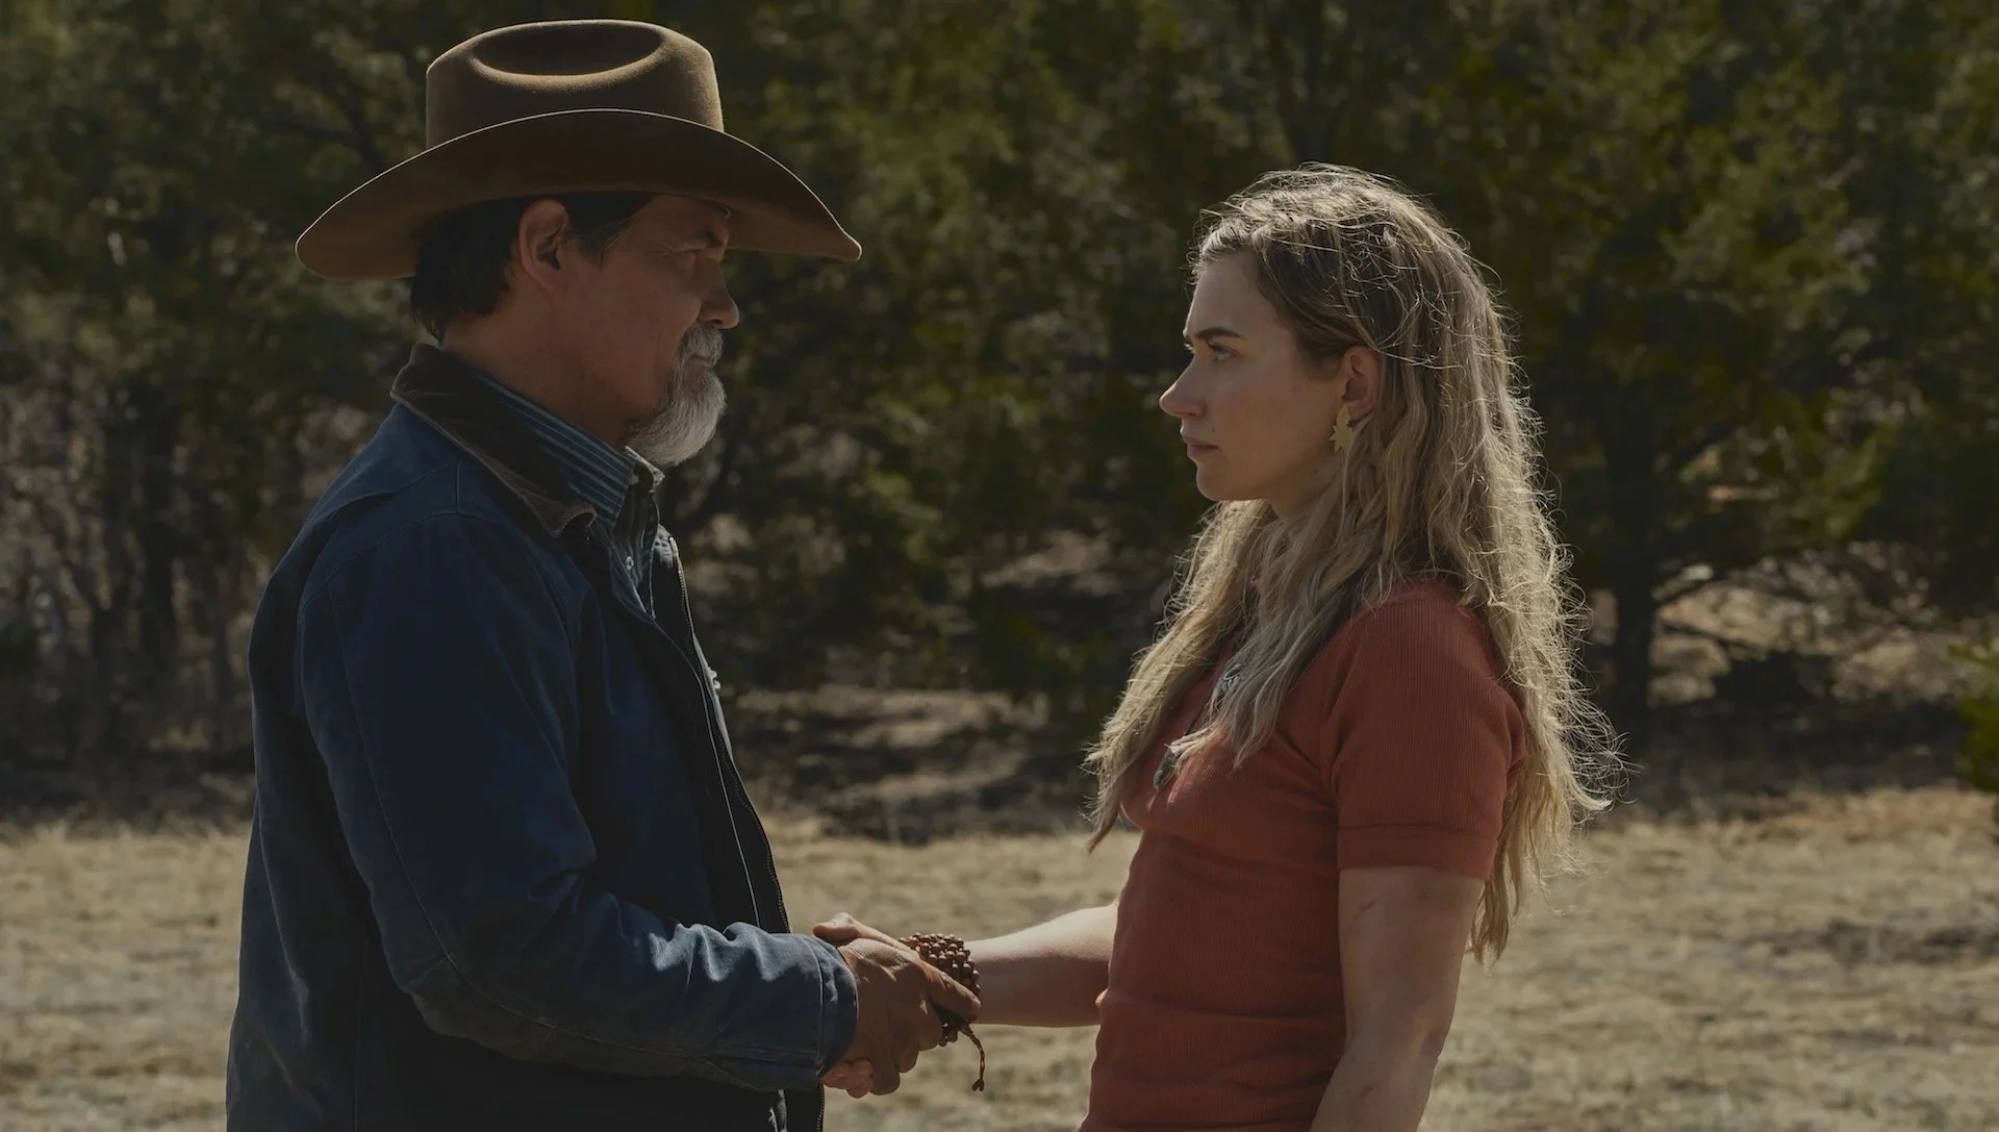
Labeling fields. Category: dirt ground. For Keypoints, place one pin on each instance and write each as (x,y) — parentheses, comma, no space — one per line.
(1832,967)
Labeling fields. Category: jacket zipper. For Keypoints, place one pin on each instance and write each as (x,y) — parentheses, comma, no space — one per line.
(706,682)
(725,751)
(718,737)
(720,747)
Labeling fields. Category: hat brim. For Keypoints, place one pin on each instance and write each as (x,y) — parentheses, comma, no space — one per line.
(373,232)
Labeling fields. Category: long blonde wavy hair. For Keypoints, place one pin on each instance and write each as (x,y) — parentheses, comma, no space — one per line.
(1438,482)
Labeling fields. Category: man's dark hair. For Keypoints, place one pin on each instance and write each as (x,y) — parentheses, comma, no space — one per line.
(461,265)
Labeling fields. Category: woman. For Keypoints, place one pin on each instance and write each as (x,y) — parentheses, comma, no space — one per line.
(1361,738)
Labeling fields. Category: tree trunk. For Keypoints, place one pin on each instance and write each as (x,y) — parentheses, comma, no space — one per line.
(216,586)
(1632,567)
(1631,658)
(102,707)
(156,433)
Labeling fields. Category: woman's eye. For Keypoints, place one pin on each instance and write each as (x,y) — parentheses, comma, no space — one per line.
(1221,352)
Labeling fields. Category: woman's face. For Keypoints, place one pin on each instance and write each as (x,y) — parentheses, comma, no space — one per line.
(1256,415)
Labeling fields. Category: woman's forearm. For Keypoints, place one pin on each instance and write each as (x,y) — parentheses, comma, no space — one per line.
(1047,975)
(1380,1086)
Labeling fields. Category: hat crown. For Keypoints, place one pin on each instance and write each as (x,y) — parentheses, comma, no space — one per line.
(530,69)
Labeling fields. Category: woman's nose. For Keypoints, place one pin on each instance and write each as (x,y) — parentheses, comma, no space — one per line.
(1179,401)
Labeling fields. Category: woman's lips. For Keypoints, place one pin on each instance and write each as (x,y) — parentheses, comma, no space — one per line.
(1196,448)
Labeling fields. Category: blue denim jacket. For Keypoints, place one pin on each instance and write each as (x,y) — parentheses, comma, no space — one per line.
(502,870)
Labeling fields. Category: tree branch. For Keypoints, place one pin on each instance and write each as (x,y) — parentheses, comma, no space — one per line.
(280,124)
(337,87)
(1679,457)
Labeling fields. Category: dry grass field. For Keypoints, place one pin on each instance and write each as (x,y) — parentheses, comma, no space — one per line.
(1835,966)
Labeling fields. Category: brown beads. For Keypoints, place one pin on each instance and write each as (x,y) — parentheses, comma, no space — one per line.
(949,954)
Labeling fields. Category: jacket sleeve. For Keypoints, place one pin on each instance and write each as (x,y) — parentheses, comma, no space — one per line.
(437,678)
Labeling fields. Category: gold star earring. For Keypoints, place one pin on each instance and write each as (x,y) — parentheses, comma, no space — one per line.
(1343,429)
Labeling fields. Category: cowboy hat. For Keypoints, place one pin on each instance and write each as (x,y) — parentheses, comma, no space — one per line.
(569,107)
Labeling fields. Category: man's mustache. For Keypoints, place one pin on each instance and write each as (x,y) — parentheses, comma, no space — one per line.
(702,345)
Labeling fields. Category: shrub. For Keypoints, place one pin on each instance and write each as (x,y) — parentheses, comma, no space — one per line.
(1979,756)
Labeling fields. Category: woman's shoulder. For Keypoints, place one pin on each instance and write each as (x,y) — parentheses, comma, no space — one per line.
(1423,611)
(1423,625)
(1417,661)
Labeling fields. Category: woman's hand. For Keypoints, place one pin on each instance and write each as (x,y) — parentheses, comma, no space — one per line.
(1048,975)
(1403,937)
(843,929)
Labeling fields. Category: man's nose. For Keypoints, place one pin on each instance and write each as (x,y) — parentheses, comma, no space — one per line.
(720,310)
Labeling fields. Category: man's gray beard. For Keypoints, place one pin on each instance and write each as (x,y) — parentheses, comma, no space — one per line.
(687,416)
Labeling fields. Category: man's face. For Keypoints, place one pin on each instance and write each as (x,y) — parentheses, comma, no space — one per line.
(642,329)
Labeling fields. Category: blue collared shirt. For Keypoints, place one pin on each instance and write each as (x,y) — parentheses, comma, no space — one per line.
(619,483)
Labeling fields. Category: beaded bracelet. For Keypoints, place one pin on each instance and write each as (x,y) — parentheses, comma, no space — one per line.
(949,954)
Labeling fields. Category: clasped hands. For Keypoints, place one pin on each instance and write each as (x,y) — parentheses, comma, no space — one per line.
(898,995)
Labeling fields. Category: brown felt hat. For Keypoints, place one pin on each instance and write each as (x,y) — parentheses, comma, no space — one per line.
(571,106)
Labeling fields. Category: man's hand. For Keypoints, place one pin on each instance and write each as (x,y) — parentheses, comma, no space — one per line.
(896,990)
(843,929)
(856,1075)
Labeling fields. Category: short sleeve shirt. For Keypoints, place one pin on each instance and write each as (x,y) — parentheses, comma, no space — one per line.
(1224,1007)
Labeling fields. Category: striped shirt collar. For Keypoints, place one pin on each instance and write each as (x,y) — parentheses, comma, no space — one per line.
(600,473)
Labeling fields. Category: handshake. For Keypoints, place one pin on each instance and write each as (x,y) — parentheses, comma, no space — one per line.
(900,997)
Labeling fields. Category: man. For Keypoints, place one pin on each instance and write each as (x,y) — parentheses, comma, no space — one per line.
(503,873)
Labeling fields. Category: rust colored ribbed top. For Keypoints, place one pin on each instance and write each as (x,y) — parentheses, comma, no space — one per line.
(1224,1008)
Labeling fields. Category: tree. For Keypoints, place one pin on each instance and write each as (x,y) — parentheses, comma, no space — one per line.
(1658,189)
(1747,249)
(168,359)
(1925,100)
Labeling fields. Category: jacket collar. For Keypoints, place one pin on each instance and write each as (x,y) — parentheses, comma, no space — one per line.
(452,398)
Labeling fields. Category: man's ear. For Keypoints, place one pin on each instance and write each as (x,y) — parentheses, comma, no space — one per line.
(541,243)
(1360,370)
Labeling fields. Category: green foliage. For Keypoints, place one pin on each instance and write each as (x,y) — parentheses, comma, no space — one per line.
(1979,756)
(1931,85)
(1749,250)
